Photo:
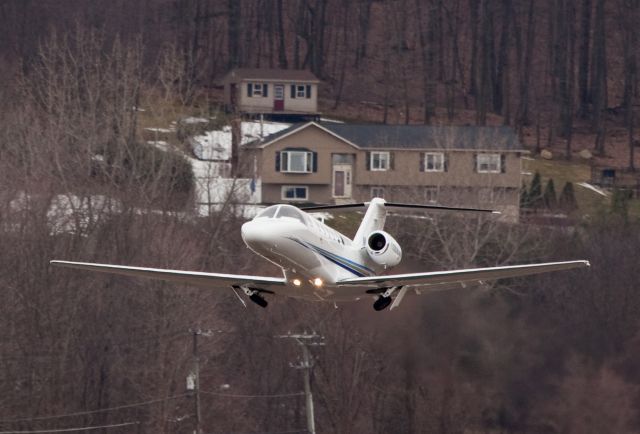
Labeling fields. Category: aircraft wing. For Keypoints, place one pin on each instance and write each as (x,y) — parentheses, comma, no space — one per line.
(441,280)
(197,278)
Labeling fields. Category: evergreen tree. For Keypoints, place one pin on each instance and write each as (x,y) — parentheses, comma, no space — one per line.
(567,199)
(535,191)
(620,202)
(524,196)
(549,198)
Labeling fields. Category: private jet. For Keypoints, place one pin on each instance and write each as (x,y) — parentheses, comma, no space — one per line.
(319,263)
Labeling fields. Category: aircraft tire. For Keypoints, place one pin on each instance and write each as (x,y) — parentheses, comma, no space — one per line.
(381,303)
(258,300)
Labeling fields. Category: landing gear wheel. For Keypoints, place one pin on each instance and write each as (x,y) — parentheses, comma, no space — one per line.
(381,303)
(257,299)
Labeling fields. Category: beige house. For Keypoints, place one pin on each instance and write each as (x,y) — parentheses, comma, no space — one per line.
(271,91)
(341,163)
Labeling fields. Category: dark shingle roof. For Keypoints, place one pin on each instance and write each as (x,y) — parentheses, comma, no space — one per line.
(427,136)
(239,74)
(378,136)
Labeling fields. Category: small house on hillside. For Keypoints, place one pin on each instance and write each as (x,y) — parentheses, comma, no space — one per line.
(341,163)
(271,91)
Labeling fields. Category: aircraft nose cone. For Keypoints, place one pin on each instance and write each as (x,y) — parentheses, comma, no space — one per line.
(255,234)
(249,232)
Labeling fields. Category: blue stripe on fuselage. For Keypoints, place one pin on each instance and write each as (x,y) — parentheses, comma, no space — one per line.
(338,260)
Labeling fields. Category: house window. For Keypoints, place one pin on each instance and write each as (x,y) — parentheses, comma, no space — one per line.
(296,161)
(379,161)
(257,90)
(295,192)
(485,196)
(377,192)
(488,163)
(434,162)
(431,194)
(300,91)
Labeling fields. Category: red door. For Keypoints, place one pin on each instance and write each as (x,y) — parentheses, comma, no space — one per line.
(278,97)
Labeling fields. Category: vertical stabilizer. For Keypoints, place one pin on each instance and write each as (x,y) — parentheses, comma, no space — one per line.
(373,220)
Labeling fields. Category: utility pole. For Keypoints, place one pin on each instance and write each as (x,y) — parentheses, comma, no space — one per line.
(196,380)
(306,340)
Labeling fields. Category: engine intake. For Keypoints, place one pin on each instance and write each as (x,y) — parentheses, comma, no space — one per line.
(383,249)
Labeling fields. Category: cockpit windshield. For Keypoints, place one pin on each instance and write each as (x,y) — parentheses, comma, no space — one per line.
(288,211)
(282,211)
(268,212)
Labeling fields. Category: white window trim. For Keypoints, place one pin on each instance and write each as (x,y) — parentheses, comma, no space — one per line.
(260,93)
(486,195)
(284,197)
(377,188)
(388,161)
(301,91)
(489,158)
(441,162)
(308,161)
(427,192)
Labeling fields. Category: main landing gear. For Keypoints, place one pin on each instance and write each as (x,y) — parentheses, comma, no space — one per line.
(254,295)
(384,300)
(381,303)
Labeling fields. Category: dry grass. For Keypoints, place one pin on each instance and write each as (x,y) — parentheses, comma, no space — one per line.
(561,171)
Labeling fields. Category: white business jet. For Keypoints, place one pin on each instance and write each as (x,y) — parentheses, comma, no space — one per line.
(321,264)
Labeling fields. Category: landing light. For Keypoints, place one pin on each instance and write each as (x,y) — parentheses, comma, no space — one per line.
(317,282)
(297,282)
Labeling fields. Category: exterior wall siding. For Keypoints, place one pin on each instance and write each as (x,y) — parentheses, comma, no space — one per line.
(460,171)
(313,139)
(460,185)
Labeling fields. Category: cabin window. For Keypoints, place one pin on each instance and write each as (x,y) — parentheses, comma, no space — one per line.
(488,163)
(295,192)
(379,161)
(296,161)
(434,162)
(377,192)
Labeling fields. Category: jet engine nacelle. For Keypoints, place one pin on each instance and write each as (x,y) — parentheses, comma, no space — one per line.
(383,249)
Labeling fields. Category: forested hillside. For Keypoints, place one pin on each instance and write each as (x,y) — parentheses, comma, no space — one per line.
(550,354)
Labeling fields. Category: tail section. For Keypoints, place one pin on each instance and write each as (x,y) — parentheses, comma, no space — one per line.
(373,220)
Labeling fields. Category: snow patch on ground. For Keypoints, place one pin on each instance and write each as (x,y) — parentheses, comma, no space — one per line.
(194,120)
(161,130)
(216,145)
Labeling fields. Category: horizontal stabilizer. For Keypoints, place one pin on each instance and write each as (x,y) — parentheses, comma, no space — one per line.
(395,205)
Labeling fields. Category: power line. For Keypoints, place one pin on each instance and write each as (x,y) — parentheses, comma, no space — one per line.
(266,432)
(231,395)
(305,339)
(102,410)
(83,428)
